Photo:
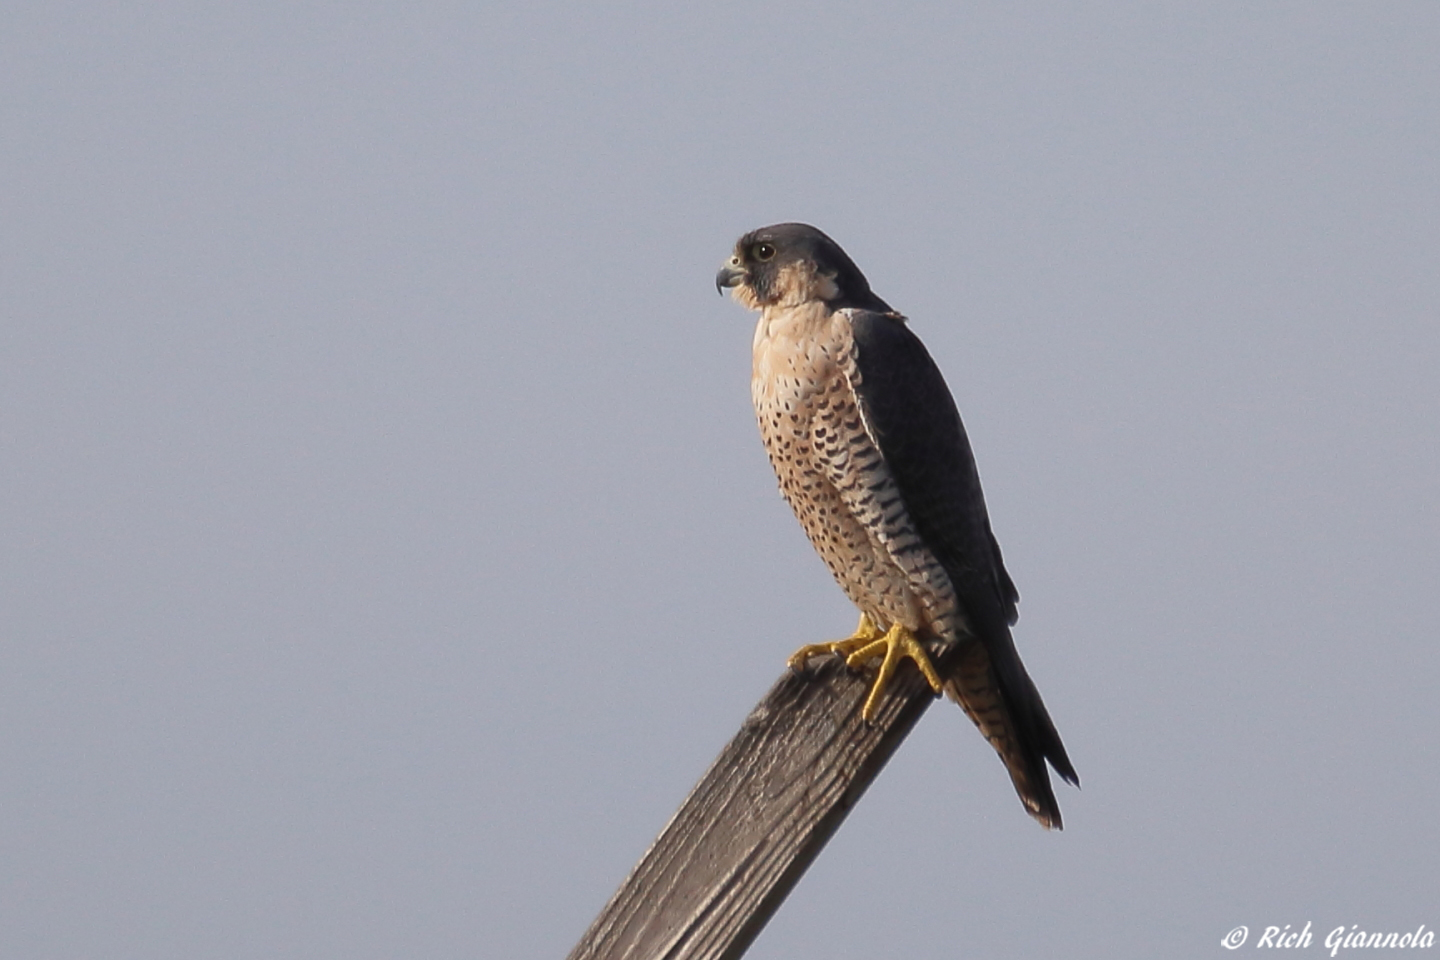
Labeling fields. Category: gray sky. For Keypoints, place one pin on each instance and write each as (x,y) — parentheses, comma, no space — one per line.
(386,545)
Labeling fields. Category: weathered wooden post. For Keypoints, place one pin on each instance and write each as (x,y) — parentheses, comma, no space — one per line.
(759,815)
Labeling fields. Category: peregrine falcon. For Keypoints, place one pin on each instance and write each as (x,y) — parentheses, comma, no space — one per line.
(872,457)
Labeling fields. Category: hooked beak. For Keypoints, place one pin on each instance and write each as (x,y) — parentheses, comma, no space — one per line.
(730,275)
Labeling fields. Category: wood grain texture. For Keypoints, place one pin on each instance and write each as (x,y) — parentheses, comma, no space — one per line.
(757,818)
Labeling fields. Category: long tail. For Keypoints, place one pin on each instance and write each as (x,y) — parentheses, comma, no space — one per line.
(1008,710)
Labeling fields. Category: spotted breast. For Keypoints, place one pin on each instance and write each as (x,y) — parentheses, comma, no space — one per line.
(833,475)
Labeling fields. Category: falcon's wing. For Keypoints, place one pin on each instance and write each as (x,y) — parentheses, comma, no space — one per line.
(913,419)
(911,415)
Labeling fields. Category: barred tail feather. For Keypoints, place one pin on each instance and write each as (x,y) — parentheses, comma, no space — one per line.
(1014,719)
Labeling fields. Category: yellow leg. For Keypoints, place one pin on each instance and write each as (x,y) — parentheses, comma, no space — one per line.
(867,643)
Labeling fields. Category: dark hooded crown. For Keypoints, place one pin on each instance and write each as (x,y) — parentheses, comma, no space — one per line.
(772,260)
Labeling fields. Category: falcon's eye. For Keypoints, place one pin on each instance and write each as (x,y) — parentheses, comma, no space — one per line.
(764,251)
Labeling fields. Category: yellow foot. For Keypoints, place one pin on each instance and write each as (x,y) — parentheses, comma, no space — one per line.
(865,634)
(866,644)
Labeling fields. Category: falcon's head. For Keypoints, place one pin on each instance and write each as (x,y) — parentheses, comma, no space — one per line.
(793,263)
